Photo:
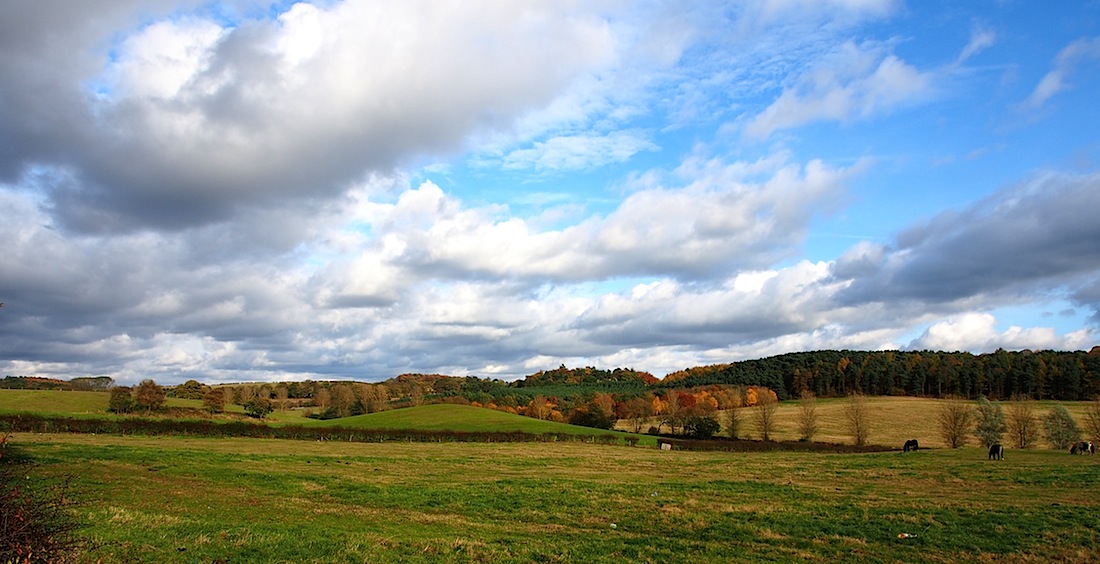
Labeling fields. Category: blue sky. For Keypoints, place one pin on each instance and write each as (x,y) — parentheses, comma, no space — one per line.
(250,190)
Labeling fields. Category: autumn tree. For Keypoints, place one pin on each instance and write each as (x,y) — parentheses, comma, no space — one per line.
(1060,428)
(282,394)
(807,416)
(121,401)
(416,395)
(991,426)
(858,418)
(343,398)
(539,407)
(1022,424)
(372,398)
(245,394)
(214,400)
(672,413)
(149,396)
(764,414)
(733,416)
(321,397)
(637,411)
(955,419)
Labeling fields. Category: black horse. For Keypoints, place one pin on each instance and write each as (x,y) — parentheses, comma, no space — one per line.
(1082,447)
(911,444)
(996,452)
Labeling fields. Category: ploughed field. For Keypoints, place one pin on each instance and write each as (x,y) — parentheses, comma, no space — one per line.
(176,499)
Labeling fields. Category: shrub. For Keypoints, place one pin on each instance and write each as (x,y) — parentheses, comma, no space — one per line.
(1061,429)
(258,407)
(587,417)
(991,426)
(701,426)
(37,523)
(955,420)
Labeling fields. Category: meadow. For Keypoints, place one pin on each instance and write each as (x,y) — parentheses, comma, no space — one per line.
(179,499)
(171,499)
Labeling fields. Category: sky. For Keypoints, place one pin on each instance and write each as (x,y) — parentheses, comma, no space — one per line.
(347,189)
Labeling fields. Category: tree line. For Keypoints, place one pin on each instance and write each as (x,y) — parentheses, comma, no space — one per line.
(1043,375)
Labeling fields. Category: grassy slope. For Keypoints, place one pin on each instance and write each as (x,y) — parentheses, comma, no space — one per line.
(173,499)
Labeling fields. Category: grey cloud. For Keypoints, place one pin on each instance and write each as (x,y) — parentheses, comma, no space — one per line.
(1041,234)
(238,135)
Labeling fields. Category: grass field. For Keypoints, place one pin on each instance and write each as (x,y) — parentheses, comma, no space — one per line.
(171,499)
(176,499)
(893,420)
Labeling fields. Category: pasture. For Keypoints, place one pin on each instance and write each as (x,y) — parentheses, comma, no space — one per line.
(186,499)
(172,499)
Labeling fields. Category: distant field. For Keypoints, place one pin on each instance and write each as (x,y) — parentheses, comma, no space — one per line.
(171,499)
(893,420)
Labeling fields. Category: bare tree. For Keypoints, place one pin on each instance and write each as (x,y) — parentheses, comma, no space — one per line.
(807,416)
(343,398)
(672,413)
(322,397)
(1092,421)
(1023,425)
(733,415)
(858,418)
(956,418)
(282,392)
(245,394)
(764,415)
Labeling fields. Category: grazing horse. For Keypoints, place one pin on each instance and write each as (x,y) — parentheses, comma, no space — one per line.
(911,444)
(996,452)
(1082,447)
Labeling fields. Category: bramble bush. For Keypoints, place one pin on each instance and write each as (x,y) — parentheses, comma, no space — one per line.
(37,523)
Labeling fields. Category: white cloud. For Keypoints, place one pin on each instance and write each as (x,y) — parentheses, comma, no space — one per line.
(1065,63)
(973,331)
(980,39)
(854,83)
(579,152)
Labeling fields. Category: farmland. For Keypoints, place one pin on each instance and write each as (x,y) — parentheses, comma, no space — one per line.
(185,499)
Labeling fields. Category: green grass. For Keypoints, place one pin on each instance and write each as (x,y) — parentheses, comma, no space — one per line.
(292,501)
(449,417)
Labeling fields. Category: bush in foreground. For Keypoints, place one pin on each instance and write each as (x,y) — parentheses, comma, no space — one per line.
(36,519)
